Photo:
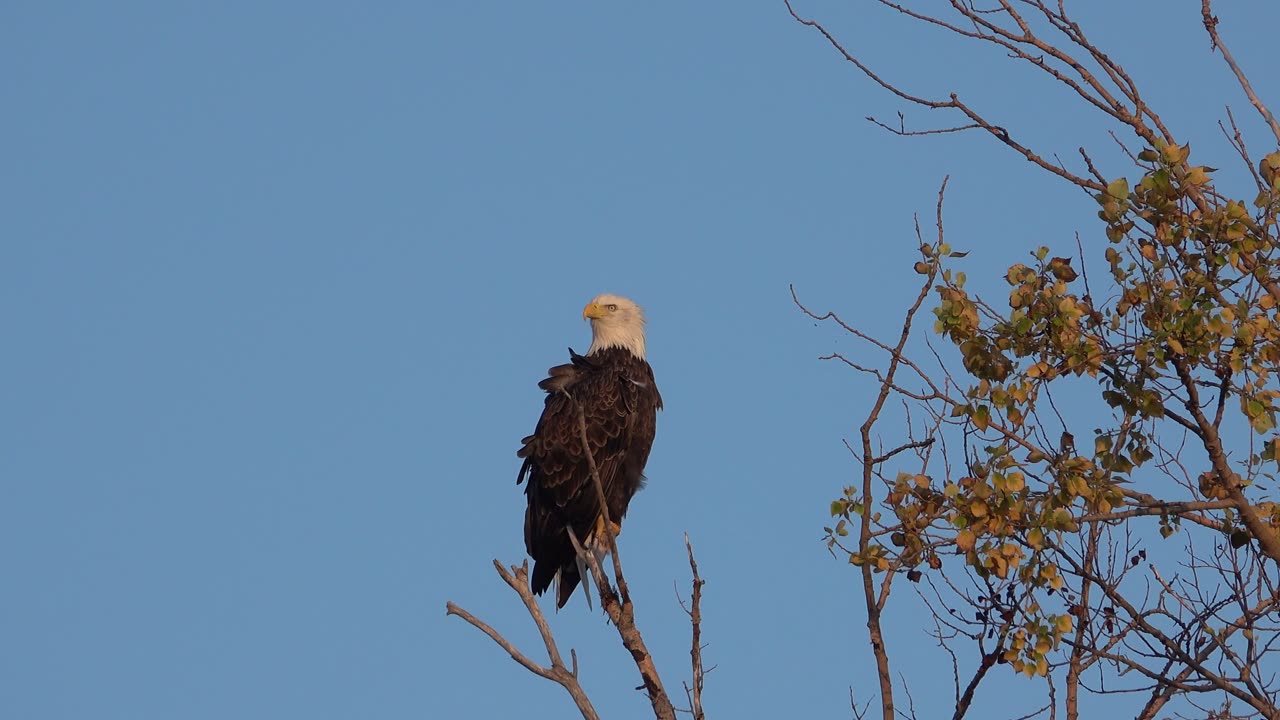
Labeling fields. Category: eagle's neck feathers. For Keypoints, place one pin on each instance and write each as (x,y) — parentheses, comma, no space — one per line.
(605,336)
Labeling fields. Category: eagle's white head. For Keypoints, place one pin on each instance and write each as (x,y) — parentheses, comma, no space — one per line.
(615,322)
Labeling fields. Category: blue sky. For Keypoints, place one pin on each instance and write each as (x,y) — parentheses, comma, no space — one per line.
(277,282)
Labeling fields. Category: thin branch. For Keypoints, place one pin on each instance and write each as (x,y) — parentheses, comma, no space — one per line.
(518,580)
(1211,25)
(907,446)
(966,698)
(603,501)
(902,131)
(1236,138)
(975,118)
(620,610)
(1161,508)
(694,610)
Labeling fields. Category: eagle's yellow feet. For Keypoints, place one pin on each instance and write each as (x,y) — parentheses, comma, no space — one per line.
(599,533)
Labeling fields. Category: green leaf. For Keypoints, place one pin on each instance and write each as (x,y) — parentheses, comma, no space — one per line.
(1254,409)
(982,418)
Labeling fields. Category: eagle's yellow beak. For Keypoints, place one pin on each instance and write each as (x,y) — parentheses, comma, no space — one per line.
(593,311)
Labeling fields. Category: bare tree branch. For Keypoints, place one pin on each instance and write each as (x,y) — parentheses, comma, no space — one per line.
(1211,25)
(619,609)
(517,578)
(976,120)
(616,604)
(694,611)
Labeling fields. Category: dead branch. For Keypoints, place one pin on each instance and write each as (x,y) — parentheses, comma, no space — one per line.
(617,605)
(694,611)
(517,578)
(1211,25)
(1103,100)
(619,609)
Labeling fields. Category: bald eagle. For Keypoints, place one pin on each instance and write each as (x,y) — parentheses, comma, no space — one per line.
(614,386)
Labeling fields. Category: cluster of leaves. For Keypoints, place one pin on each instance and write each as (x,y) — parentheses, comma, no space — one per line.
(1186,333)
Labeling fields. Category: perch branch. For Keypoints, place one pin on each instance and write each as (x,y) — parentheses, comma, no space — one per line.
(617,605)
(567,677)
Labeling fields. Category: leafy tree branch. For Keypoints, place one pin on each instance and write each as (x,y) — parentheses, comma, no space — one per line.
(1054,559)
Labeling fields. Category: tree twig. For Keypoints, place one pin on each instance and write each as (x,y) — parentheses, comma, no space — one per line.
(618,605)
(517,577)
(1211,25)
(694,611)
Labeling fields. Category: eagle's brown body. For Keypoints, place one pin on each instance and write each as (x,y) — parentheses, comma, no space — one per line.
(615,389)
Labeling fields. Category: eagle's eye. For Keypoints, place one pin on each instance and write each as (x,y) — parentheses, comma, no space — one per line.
(611,306)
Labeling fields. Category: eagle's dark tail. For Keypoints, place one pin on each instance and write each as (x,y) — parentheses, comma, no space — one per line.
(567,581)
(543,574)
(565,578)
